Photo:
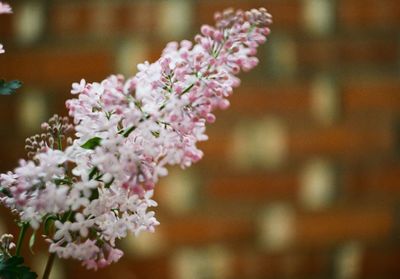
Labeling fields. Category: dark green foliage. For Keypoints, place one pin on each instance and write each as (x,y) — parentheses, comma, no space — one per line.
(93,173)
(8,88)
(5,191)
(13,268)
(92,143)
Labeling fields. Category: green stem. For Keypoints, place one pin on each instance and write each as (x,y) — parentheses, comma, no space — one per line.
(21,236)
(59,141)
(187,89)
(49,265)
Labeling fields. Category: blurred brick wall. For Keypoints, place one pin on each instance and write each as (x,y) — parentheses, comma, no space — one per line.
(301,176)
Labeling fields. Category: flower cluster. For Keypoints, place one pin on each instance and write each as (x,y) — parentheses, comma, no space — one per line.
(91,191)
(6,245)
(55,132)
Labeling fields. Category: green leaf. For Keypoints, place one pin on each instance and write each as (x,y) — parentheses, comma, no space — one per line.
(94,195)
(93,172)
(13,268)
(107,185)
(32,241)
(156,133)
(62,181)
(14,84)
(67,216)
(92,143)
(8,88)
(5,191)
(126,133)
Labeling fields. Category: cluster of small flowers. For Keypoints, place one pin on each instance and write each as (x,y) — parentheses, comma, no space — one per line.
(4,9)
(56,132)
(100,187)
(6,244)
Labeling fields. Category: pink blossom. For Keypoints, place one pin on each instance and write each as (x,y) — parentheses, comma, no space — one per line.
(114,255)
(63,231)
(1,49)
(78,87)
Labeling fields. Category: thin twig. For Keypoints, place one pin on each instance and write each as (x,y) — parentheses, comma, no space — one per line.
(49,265)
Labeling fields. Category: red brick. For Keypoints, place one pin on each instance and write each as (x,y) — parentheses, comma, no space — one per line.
(8,107)
(373,181)
(349,141)
(335,225)
(293,264)
(66,19)
(7,27)
(134,18)
(155,48)
(381,262)
(6,218)
(346,53)
(374,51)
(11,150)
(372,94)
(50,66)
(254,187)
(216,150)
(290,98)
(198,229)
(373,14)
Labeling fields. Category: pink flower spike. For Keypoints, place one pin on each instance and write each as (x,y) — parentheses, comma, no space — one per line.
(5,8)
(1,49)
(126,133)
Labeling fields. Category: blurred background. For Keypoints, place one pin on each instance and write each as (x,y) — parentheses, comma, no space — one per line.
(301,175)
